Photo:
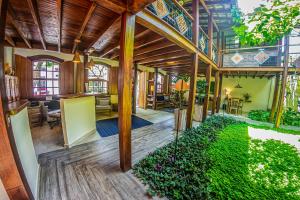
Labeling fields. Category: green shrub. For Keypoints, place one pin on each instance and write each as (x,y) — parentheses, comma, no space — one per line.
(186,177)
(291,117)
(259,115)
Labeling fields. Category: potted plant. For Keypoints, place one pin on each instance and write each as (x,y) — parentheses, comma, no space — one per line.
(198,108)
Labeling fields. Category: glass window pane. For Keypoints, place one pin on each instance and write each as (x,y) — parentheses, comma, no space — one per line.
(56,75)
(55,91)
(36,74)
(49,90)
(49,66)
(36,91)
(55,84)
(49,74)
(36,83)
(43,74)
(49,83)
(42,65)
(56,67)
(43,91)
(43,83)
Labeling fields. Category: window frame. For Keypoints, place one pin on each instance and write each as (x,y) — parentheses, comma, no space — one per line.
(99,80)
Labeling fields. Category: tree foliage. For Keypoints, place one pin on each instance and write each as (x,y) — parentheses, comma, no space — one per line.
(268,23)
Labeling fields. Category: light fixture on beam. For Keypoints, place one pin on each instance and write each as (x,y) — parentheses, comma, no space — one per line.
(76,58)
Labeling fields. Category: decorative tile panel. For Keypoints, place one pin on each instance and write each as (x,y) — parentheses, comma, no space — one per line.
(237,58)
(160,8)
(261,57)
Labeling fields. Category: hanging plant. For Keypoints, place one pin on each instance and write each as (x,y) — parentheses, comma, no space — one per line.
(268,23)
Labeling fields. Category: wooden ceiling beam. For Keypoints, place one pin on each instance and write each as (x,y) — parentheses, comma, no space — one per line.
(36,18)
(11,17)
(165,61)
(158,52)
(158,45)
(59,23)
(115,6)
(185,65)
(202,2)
(165,56)
(83,25)
(10,41)
(173,64)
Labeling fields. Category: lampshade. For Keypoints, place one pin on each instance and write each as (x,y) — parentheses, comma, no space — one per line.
(181,85)
(76,58)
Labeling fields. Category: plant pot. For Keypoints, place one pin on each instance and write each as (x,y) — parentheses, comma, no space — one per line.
(181,120)
(198,111)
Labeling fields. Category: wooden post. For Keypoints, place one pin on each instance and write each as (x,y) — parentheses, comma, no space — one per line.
(275,98)
(155,88)
(210,35)
(216,92)
(194,70)
(12,172)
(283,83)
(223,43)
(207,89)
(135,82)
(86,71)
(220,94)
(125,88)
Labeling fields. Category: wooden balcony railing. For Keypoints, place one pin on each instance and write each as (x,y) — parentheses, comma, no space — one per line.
(174,14)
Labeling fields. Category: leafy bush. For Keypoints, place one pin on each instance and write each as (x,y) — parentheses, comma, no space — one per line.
(291,117)
(186,177)
(259,115)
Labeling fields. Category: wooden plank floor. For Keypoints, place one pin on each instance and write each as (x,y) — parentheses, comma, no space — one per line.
(91,170)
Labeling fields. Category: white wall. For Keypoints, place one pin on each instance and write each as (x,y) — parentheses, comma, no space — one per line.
(22,135)
(78,118)
(261,91)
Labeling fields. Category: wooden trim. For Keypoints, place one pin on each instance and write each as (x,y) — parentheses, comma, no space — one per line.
(157,25)
(59,23)
(251,69)
(10,41)
(125,88)
(207,89)
(36,18)
(210,36)
(135,84)
(283,82)
(83,25)
(275,98)
(46,57)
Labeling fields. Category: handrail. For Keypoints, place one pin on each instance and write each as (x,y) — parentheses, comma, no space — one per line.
(184,10)
(203,32)
(251,48)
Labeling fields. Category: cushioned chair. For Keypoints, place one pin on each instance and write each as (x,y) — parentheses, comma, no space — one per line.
(103,104)
(53,113)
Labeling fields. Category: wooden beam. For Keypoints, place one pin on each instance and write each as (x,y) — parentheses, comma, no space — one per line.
(135,84)
(283,82)
(159,26)
(12,173)
(10,41)
(164,51)
(220,93)
(158,45)
(210,36)
(59,23)
(195,64)
(115,6)
(275,98)
(251,69)
(207,89)
(155,89)
(209,12)
(179,54)
(11,17)
(216,92)
(168,61)
(36,18)
(83,25)
(181,63)
(86,71)
(106,34)
(125,88)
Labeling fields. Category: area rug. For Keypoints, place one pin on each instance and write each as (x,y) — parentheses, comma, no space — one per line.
(109,127)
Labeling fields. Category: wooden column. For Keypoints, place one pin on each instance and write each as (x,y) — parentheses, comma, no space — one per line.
(210,35)
(135,82)
(194,70)
(155,88)
(11,170)
(283,82)
(207,89)
(220,94)
(125,88)
(216,92)
(86,71)
(275,98)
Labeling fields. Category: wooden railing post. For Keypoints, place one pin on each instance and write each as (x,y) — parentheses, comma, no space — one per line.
(283,83)
(125,88)
(86,71)
(220,93)
(216,92)
(210,35)
(194,70)
(275,98)
(134,88)
(155,88)
(207,90)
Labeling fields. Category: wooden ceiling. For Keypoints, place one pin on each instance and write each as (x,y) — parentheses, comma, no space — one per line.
(58,24)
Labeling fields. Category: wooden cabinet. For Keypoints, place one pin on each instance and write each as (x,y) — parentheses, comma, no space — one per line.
(35,116)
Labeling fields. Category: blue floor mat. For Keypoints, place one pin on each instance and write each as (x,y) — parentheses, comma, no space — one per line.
(109,127)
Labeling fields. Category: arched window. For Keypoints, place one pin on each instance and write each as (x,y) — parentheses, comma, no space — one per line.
(45,77)
(98,79)
(160,82)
